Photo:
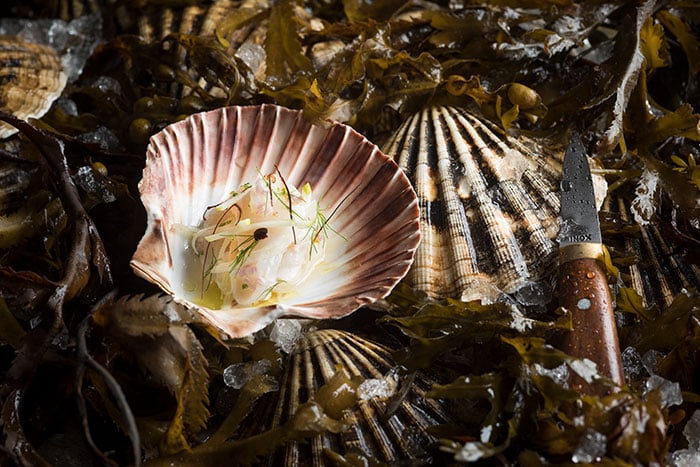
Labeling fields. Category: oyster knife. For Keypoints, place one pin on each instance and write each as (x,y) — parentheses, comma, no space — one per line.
(583,285)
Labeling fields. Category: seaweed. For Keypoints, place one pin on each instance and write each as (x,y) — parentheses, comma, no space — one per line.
(76,325)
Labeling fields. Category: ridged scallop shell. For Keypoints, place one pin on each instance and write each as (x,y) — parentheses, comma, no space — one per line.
(31,79)
(489,207)
(157,23)
(399,436)
(661,271)
(197,162)
(192,19)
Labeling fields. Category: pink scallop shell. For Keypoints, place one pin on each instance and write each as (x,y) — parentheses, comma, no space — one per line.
(197,162)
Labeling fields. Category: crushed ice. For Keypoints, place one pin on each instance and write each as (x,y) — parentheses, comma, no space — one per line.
(285,333)
(379,387)
(239,374)
(103,137)
(639,367)
(632,363)
(643,205)
(534,294)
(85,179)
(74,41)
(670,392)
(690,456)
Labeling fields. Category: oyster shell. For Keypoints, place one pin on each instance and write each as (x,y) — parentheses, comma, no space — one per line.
(31,79)
(196,163)
(378,426)
(489,207)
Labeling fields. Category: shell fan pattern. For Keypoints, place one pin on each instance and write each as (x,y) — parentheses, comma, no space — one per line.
(382,423)
(370,207)
(489,207)
(31,79)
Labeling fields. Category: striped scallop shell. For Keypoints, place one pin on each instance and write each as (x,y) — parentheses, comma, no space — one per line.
(378,427)
(31,79)
(489,207)
(198,162)
(661,270)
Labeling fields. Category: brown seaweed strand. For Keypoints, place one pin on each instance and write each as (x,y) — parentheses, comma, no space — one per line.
(86,252)
(85,360)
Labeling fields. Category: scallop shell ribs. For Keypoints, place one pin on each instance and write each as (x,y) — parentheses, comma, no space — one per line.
(265,168)
(384,423)
(489,207)
(31,79)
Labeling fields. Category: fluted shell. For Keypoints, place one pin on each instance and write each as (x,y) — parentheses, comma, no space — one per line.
(378,427)
(661,270)
(31,79)
(198,162)
(489,207)
(156,23)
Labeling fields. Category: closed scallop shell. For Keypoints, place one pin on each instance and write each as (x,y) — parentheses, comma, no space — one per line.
(388,423)
(661,268)
(489,207)
(196,163)
(31,79)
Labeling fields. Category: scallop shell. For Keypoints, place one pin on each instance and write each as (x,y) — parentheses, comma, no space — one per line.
(489,207)
(197,162)
(661,271)
(399,436)
(31,79)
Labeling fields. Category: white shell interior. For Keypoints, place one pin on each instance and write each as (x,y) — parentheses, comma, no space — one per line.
(197,162)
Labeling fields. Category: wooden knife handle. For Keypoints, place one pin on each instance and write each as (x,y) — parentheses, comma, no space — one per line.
(584,292)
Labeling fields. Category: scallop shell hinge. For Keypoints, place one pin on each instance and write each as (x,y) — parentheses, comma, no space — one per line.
(489,207)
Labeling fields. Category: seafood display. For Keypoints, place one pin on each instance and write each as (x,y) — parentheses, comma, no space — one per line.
(489,206)
(321,233)
(350,244)
(31,79)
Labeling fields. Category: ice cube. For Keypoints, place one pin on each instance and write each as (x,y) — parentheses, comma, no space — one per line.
(379,387)
(285,333)
(632,363)
(692,431)
(670,391)
(649,360)
(689,457)
(239,374)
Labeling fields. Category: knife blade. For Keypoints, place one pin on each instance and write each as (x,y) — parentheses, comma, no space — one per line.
(583,286)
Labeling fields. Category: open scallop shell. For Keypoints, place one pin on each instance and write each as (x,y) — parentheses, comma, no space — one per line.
(489,207)
(197,162)
(31,79)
